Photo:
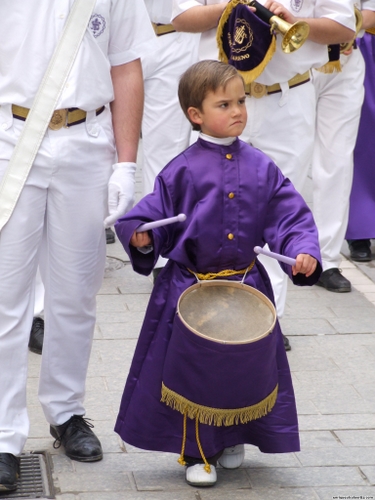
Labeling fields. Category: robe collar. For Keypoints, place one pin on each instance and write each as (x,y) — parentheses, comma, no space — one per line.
(225,141)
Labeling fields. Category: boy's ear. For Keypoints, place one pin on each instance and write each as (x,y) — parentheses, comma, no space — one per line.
(195,115)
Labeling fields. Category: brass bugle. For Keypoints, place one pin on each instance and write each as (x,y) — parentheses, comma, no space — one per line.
(294,35)
(358,25)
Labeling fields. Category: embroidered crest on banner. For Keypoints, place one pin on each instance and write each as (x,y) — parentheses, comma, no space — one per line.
(240,40)
(97,24)
(296,5)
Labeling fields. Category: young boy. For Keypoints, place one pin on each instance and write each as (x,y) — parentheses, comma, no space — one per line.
(234,198)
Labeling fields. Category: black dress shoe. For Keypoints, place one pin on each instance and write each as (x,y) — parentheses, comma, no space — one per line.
(287,345)
(360,250)
(36,336)
(109,235)
(9,471)
(333,281)
(79,441)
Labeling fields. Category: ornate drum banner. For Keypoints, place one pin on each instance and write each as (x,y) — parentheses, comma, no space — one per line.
(220,367)
(244,40)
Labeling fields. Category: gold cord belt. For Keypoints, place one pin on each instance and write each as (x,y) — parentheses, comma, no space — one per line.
(222,274)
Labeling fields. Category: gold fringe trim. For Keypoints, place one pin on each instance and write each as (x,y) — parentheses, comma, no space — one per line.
(218,416)
(330,67)
(251,75)
(371,31)
(221,274)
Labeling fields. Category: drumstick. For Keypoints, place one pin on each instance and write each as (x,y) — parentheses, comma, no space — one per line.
(161,222)
(277,256)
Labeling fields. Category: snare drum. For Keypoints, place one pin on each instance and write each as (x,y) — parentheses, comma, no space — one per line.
(220,366)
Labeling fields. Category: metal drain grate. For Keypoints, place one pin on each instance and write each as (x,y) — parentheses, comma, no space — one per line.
(35,479)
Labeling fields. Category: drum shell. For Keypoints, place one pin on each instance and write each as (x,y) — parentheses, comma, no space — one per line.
(219,375)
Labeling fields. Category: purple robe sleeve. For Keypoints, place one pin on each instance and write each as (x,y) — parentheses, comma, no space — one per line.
(289,226)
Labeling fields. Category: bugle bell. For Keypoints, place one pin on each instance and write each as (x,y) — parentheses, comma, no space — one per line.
(344,47)
(294,35)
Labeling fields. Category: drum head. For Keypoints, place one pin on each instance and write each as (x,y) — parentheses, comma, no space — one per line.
(228,312)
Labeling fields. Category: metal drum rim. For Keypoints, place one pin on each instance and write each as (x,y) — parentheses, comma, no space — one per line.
(234,284)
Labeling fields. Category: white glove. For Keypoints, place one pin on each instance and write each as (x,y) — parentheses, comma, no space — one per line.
(120,191)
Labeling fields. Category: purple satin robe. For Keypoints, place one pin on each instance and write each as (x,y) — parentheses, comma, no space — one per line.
(361,223)
(223,190)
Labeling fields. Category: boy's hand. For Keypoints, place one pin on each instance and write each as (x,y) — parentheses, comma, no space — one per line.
(305,264)
(140,239)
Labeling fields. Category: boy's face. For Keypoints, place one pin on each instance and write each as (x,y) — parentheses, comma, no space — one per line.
(223,112)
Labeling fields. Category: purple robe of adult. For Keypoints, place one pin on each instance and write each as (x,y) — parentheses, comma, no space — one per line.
(224,190)
(361,223)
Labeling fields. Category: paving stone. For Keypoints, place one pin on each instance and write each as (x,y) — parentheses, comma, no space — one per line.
(260,494)
(173,479)
(343,406)
(255,459)
(367,311)
(128,330)
(306,476)
(352,325)
(111,303)
(336,422)
(144,495)
(308,312)
(357,438)
(318,439)
(307,327)
(305,407)
(352,456)
(369,472)
(94,481)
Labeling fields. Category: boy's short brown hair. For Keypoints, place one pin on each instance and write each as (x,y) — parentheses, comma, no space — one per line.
(201,78)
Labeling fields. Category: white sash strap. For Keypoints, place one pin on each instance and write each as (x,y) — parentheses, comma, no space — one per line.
(43,107)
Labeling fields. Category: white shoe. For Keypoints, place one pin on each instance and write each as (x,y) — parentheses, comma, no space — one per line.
(232,457)
(197,476)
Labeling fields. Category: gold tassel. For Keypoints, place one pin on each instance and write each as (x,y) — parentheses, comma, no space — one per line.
(181,460)
(207,467)
(218,416)
(251,75)
(330,67)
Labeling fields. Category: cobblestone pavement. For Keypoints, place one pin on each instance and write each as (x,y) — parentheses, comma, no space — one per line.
(333,367)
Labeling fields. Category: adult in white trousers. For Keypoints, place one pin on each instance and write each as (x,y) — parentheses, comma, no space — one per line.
(82,171)
(339,98)
(281,124)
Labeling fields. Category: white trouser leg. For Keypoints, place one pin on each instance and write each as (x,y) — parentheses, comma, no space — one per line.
(19,243)
(74,257)
(282,126)
(165,129)
(339,101)
(67,188)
